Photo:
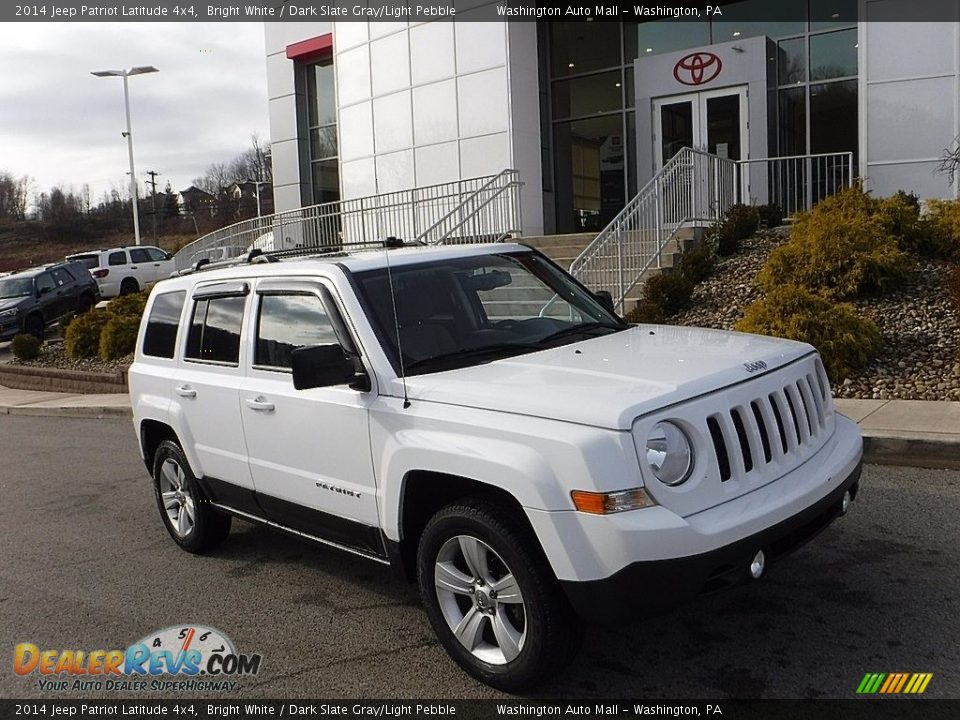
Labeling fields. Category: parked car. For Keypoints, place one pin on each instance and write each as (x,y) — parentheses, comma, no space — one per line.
(124,270)
(32,299)
(475,417)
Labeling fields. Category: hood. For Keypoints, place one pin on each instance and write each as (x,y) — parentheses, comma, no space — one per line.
(609,381)
(7,303)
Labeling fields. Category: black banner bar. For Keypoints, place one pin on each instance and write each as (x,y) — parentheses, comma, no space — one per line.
(218,709)
(459,10)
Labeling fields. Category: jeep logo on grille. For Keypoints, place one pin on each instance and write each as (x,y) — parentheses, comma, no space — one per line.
(752,367)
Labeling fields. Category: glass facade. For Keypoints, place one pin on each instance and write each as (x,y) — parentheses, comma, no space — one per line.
(589,96)
(322,127)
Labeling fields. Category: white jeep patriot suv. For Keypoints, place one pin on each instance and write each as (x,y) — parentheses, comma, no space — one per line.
(480,420)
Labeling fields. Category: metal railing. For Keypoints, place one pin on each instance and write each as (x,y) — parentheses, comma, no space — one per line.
(794,183)
(491,213)
(692,188)
(472,210)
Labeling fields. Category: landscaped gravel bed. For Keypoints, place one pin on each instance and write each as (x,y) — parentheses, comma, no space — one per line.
(920,327)
(54,356)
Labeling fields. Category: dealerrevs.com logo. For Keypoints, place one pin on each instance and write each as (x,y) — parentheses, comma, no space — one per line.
(181,658)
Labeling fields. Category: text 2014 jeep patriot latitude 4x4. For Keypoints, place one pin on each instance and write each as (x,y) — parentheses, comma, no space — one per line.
(474,416)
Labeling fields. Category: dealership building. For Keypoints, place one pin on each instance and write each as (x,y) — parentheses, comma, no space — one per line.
(588,112)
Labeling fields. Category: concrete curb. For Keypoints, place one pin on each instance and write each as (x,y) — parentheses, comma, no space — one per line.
(79,411)
(924,451)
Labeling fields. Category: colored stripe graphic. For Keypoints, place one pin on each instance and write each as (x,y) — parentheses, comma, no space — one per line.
(894,683)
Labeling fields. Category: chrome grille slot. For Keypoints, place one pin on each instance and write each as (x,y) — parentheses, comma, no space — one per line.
(719,448)
(805,410)
(789,392)
(781,428)
(742,439)
(817,400)
(762,429)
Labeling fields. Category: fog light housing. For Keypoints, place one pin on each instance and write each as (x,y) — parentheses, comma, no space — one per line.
(757,565)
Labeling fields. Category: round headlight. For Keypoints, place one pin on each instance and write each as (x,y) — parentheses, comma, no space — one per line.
(669,453)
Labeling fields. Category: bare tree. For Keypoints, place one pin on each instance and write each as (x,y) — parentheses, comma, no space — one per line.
(950,161)
(254,163)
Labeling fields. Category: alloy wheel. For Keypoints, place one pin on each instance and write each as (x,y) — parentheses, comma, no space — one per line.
(480,600)
(178,501)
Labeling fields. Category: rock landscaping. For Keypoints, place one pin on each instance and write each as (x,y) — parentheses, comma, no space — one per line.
(920,328)
(53,355)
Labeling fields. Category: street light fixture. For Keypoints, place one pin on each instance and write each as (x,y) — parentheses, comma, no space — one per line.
(139,70)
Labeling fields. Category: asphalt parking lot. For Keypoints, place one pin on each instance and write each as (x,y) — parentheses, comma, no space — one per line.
(87,564)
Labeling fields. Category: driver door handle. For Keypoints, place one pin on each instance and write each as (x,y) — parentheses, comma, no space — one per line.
(186,391)
(260,404)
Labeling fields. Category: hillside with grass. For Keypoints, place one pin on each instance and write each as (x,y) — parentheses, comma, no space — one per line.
(27,243)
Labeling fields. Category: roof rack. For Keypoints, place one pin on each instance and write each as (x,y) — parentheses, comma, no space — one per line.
(257,255)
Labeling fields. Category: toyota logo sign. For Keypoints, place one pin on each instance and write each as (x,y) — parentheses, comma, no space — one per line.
(697,68)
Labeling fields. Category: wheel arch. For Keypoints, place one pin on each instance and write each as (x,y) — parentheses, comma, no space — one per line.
(423,494)
(152,433)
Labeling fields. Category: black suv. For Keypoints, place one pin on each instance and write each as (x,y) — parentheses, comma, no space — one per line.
(32,299)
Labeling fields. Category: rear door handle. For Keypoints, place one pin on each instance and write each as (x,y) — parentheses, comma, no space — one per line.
(260,404)
(186,391)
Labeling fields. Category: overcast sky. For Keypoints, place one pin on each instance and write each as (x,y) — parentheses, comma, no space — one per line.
(62,126)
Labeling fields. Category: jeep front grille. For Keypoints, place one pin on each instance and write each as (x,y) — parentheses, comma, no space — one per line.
(788,419)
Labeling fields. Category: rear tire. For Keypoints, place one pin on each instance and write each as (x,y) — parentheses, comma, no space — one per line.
(128,286)
(84,304)
(35,326)
(192,523)
(483,578)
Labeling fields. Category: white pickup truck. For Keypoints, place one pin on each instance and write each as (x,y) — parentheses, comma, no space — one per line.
(475,417)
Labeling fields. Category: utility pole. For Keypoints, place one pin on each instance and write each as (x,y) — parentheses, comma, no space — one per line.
(152,182)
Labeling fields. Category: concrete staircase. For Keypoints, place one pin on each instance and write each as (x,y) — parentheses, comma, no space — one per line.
(564,249)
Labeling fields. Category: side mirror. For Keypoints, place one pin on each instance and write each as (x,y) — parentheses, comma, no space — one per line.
(43,291)
(605,298)
(320,366)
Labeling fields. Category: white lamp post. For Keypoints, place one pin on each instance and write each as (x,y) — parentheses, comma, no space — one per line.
(140,70)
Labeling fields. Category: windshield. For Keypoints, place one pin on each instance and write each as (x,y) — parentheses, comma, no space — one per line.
(16,287)
(465,311)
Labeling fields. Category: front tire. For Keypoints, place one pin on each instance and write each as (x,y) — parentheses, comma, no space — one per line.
(186,513)
(35,326)
(491,597)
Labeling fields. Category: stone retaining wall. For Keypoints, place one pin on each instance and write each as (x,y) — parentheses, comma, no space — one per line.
(68,381)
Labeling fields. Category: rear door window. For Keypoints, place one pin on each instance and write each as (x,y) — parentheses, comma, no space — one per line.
(139,256)
(117,258)
(214,334)
(160,337)
(61,277)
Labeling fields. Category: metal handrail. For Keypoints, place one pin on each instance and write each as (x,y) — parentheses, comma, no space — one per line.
(400,214)
(796,183)
(692,187)
(512,213)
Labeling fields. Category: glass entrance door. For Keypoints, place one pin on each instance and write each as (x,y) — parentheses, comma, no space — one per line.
(712,120)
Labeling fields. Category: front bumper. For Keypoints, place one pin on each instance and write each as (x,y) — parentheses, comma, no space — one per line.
(9,327)
(648,587)
(618,565)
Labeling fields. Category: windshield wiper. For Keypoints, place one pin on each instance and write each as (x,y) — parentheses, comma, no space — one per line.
(498,350)
(589,327)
